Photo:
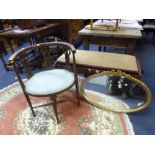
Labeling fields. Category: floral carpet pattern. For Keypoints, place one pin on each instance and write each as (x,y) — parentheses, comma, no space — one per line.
(16,117)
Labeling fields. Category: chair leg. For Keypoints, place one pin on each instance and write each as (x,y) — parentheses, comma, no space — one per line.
(99,48)
(153,35)
(54,104)
(77,92)
(30,104)
(104,48)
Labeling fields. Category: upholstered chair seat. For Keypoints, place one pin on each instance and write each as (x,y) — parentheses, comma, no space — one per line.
(49,82)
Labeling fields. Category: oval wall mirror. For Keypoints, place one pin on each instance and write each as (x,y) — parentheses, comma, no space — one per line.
(116,91)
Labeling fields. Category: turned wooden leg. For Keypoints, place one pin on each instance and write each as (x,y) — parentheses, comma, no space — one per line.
(85,43)
(130,48)
(99,48)
(30,104)
(77,92)
(3,61)
(54,104)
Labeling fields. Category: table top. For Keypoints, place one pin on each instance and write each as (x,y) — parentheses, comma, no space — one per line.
(15,33)
(123,32)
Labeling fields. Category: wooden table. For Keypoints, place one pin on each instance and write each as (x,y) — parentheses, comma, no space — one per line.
(29,33)
(123,38)
(7,36)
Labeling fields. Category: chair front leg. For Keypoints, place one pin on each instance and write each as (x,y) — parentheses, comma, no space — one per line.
(77,92)
(30,104)
(54,104)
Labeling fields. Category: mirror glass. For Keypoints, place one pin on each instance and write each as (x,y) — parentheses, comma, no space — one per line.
(115,93)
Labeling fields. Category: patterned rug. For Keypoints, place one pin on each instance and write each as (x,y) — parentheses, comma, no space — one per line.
(16,117)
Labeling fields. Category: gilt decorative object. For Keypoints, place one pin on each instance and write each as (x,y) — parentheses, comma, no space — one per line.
(119,90)
(103,26)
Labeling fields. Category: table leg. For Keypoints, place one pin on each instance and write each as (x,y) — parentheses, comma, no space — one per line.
(130,47)
(85,43)
(12,51)
(99,48)
(10,45)
(32,41)
(3,45)
(3,61)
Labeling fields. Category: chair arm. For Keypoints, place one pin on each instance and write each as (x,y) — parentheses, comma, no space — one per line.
(19,52)
(13,57)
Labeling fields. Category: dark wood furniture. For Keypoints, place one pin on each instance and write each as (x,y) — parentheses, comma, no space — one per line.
(30,23)
(47,83)
(30,34)
(2,50)
(68,29)
(91,62)
(123,38)
(149,26)
(5,24)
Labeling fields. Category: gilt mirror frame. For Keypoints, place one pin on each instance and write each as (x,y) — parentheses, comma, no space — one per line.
(147,100)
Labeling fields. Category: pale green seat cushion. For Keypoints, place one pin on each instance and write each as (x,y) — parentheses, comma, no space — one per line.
(49,82)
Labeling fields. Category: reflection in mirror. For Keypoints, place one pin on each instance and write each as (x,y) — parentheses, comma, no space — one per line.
(116,92)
